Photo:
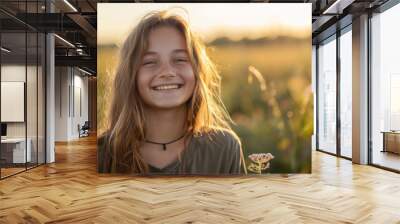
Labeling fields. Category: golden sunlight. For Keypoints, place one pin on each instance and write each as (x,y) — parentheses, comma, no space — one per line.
(212,20)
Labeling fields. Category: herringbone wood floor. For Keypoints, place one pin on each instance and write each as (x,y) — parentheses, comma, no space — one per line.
(70,191)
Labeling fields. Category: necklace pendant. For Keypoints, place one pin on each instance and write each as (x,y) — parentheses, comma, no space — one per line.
(164,147)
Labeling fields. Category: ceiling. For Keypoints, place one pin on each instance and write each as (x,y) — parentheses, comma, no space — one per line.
(76,22)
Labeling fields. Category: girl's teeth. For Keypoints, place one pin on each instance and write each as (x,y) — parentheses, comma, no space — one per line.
(167,87)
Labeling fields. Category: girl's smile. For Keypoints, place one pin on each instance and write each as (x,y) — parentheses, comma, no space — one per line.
(163,87)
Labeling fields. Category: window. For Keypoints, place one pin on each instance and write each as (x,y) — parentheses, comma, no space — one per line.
(346,92)
(327,96)
(385,89)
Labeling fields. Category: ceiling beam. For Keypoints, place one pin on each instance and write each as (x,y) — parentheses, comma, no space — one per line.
(338,6)
(83,61)
(87,27)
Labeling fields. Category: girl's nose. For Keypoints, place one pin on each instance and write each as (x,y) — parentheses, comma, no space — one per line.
(168,71)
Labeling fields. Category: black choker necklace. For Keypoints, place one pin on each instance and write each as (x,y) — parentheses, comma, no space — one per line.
(165,144)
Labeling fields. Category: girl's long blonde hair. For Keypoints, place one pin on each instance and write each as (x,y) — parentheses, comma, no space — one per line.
(206,111)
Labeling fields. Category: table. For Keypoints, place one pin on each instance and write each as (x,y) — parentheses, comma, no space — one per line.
(391,141)
(13,150)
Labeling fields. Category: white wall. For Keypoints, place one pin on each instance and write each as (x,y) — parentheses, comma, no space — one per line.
(80,94)
(12,73)
(61,103)
(13,100)
(70,84)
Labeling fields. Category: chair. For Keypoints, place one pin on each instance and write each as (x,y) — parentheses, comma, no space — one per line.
(84,130)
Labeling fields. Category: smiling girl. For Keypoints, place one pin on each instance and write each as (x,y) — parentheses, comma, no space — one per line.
(166,114)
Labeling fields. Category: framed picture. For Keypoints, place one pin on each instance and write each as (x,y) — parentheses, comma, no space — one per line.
(204,89)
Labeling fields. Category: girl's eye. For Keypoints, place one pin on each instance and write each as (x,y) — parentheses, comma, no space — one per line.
(181,60)
(149,63)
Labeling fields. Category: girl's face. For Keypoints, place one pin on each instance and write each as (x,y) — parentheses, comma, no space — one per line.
(165,78)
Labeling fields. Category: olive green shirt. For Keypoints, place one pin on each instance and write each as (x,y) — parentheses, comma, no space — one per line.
(209,154)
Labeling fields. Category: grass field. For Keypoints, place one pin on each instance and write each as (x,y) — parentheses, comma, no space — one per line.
(267,90)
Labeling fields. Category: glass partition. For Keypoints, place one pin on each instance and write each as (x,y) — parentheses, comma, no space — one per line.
(22,88)
(14,153)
